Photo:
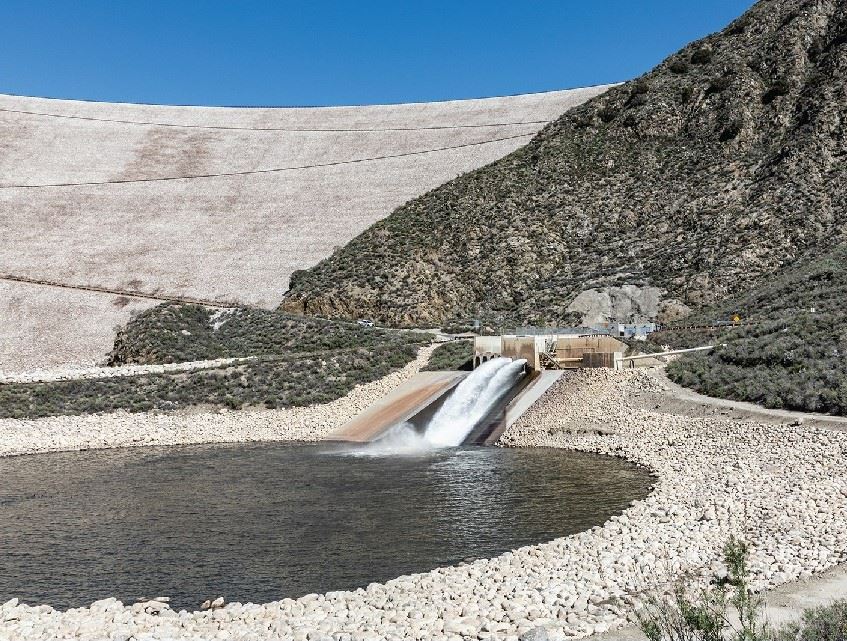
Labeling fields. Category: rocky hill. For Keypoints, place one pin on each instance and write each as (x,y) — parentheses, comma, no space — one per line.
(789,353)
(701,179)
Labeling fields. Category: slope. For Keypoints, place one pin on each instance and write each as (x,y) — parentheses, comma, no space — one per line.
(697,180)
(790,353)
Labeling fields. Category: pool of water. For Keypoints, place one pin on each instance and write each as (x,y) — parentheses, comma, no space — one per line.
(262,522)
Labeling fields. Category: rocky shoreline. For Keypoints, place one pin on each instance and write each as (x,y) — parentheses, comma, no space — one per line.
(192,427)
(783,488)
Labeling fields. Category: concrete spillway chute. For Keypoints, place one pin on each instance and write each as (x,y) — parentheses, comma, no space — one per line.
(447,409)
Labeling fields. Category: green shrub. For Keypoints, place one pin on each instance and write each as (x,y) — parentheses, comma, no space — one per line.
(777,89)
(718,85)
(299,361)
(455,355)
(177,332)
(731,131)
(608,114)
(827,623)
(704,617)
(788,354)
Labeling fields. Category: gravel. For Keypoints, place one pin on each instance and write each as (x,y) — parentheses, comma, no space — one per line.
(783,489)
(93,373)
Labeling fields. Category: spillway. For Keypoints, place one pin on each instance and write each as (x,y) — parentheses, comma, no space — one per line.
(448,408)
(472,400)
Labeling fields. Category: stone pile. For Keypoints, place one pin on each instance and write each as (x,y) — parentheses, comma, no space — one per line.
(783,489)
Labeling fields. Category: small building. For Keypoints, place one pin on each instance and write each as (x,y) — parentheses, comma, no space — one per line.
(638,331)
(551,351)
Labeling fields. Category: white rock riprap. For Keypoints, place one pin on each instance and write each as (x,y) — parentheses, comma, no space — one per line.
(783,489)
(125,429)
(93,373)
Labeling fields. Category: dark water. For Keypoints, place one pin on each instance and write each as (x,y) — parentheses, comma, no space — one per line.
(261,522)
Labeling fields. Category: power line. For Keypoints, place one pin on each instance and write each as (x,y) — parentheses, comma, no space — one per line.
(289,129)
(335,163)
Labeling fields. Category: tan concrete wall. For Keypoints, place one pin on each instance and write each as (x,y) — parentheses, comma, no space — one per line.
(516,347)
(488,345)
(400,405)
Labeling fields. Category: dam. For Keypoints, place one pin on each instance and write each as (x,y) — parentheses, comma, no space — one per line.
(215,204)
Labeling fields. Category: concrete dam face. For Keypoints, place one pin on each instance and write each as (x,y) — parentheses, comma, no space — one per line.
(208,203)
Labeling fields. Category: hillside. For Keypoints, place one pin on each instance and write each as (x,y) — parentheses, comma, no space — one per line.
(296,362)
(790,353)
(209,203)
(698,180)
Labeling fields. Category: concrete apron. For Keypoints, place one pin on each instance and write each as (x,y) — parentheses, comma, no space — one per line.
(399,406)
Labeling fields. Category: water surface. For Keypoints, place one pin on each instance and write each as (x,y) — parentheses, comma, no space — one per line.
(261,522)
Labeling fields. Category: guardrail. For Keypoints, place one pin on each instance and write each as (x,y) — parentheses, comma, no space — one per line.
(620,360)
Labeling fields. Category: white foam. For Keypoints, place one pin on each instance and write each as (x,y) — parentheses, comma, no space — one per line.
(472,400)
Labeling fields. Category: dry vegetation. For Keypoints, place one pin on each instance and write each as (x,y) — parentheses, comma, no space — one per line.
(703,177)
(457,354)
(298,362)
(790,353)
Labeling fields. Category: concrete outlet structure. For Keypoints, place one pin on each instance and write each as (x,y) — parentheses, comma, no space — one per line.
(551,351)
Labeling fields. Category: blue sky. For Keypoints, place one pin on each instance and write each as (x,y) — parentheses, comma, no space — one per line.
(316,52)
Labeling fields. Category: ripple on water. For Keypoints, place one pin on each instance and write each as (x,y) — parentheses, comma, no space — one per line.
(262,522)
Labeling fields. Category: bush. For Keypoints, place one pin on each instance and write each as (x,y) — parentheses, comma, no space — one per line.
(704,616)
(299,361)
(718,85)
(789,351)
(607,114)
(177,332)
(702,56)
(777,89)
(455,355)
(819,624)
(731,131)
(679,67)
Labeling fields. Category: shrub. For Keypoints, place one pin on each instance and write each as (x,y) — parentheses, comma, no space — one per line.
(341,356)
(455,355)
(777,89)
(786,355)
(704,617)
(640,88)
(702,56)
(731,131)
(608,114)
(679,66)
(827,623)
(718,85)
